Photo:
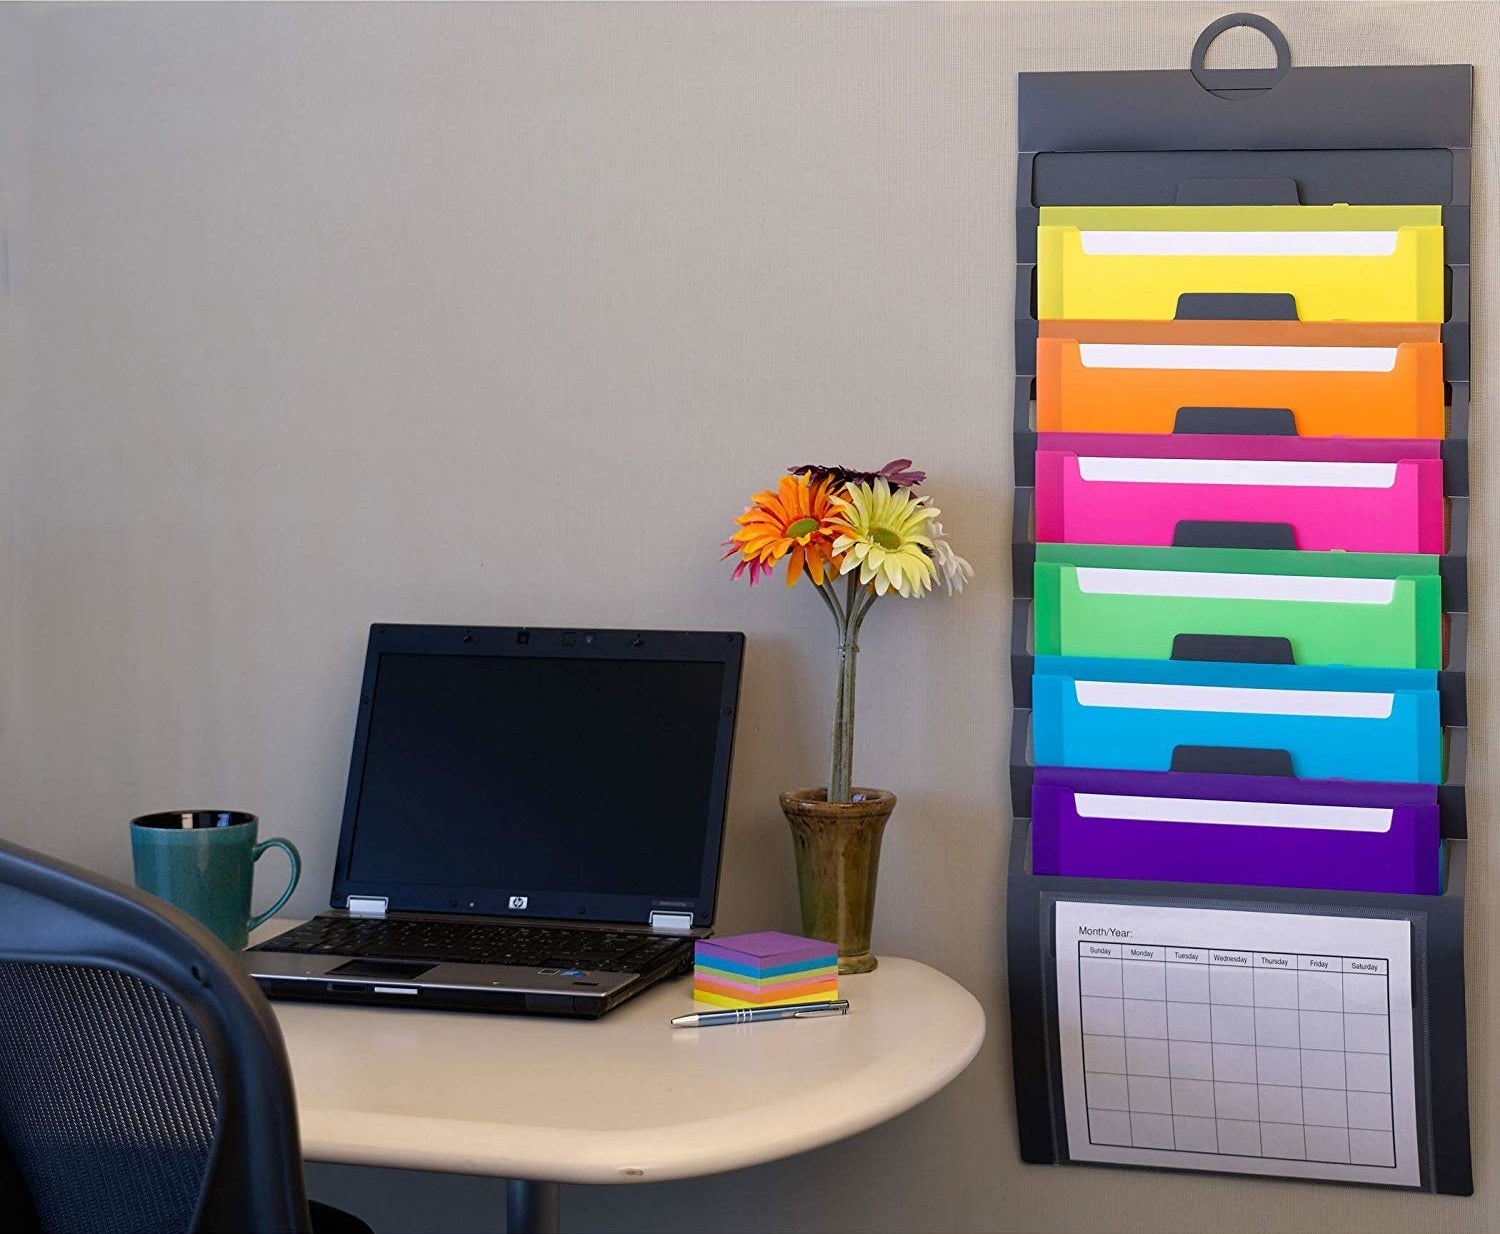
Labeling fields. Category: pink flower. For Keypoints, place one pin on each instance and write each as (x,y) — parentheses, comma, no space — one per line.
(894,473)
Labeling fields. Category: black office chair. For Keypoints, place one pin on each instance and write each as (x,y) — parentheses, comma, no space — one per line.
(144,1086)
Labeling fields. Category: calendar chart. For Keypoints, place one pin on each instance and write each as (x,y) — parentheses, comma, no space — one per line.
(1247,1042)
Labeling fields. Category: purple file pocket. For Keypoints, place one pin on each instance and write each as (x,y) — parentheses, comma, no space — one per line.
(1267,831)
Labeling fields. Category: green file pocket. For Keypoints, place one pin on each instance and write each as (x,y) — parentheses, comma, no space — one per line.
(1367,610)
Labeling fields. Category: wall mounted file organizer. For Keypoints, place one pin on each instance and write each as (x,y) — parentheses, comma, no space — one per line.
(1161,715)
(1238,647)
(1266,831)
(1338,379)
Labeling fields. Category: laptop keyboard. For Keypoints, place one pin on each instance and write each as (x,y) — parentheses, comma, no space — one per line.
(479,943)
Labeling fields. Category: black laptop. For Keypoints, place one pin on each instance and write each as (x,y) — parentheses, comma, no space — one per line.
(533,821)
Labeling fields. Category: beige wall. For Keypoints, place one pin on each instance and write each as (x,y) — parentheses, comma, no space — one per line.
(496,314)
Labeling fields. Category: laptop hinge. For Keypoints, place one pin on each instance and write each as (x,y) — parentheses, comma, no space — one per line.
(368,906)
(671,923)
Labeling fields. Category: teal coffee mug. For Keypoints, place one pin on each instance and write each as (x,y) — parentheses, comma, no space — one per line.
(203,861)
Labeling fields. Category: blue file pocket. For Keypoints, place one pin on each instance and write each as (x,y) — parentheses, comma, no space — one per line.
(1286,719)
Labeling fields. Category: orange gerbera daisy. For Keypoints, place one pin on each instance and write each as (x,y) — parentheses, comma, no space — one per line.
(790,523)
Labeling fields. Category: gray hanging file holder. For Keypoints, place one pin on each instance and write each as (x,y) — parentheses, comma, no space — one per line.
(1279,136)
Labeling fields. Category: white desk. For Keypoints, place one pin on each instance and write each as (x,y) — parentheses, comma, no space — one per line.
(622,1099)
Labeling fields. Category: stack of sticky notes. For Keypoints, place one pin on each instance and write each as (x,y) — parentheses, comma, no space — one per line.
(767,969)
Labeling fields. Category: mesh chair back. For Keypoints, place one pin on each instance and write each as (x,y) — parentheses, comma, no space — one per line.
(107,1098)
(144,1087)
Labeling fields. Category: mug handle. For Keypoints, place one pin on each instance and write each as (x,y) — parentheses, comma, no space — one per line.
(295,858)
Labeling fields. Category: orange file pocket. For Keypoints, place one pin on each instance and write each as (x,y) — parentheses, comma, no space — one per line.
(1336,379)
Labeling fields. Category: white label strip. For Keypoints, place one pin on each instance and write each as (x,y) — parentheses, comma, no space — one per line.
(1261,472)
(1102,580)
(1239,243)
(1242,700)
(1268,359)
(1368,819)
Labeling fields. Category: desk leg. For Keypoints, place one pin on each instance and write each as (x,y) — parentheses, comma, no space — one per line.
(531,1207)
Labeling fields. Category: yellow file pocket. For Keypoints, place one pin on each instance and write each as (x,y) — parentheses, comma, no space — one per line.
(1338,263)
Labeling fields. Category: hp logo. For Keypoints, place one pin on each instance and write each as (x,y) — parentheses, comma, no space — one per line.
(518,901)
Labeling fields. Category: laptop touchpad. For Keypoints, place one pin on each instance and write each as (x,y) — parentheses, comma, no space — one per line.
(381,968)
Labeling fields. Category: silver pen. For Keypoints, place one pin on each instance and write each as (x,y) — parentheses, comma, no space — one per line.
(754,1015)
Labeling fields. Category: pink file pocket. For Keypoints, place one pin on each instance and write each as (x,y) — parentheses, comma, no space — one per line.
(1394,506)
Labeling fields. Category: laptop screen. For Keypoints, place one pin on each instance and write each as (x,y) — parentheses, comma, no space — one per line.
(542,777)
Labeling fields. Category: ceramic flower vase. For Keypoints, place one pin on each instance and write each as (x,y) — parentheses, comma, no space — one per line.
(837,846)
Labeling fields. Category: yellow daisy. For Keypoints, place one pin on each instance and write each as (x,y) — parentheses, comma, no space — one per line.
(884,532)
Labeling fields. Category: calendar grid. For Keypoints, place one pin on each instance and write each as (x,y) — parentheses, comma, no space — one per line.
(1215,1052)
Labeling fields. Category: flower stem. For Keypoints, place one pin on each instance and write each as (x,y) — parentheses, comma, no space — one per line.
(847,664)
(836,756)
(831,600)
(858,608)
(836,742)
(841,778)
(848,616)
